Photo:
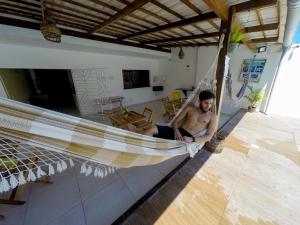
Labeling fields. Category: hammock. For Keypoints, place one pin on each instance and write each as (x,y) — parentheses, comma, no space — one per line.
(239,96)
(35,142)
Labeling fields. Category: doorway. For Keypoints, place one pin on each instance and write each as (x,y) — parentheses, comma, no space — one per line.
(53,89)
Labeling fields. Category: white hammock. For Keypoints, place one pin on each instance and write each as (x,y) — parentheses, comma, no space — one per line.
(35,142)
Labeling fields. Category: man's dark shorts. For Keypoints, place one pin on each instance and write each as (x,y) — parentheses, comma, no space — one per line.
(166,132)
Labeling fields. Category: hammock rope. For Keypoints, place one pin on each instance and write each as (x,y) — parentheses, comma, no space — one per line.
(239,96)
(208,82)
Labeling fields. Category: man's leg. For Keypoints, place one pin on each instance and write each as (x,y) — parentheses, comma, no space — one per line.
(151,131)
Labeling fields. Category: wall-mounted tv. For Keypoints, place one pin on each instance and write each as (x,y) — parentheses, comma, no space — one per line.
(136,78)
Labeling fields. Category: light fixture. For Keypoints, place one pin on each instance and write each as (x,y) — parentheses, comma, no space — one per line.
(181,53)
(48,27)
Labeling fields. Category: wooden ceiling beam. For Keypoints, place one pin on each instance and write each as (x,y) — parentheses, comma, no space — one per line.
(219,7)
(184,38)
(124,12)
(88,7)
(261,40)
(260,20)
(36,26)
(189,45)
(187,21)
(196,10)
(272,26)
(265,27)
(254,4)
(174,13)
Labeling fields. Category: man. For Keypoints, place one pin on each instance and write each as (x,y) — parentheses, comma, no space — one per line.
(199,126)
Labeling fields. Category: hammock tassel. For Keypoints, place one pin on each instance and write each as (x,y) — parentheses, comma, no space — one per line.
(63,165)
(31,175)
(100,173)
(51,170)
(71,162)
(83,168)
(59,167)
(40,172)
(21,178)
(89,171)
(96,172)
(13,181)
(4,185)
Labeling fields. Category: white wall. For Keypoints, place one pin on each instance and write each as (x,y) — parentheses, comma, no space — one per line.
(200,60)
(272,55)
(179,73)
(285,96)
(27,49)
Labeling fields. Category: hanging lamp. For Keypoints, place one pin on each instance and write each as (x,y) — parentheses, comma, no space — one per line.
(181,53)
(48,27)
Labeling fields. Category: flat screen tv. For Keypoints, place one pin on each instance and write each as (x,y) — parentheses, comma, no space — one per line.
(136,78)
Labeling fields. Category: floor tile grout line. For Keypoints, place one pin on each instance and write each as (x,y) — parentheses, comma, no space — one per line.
(27,202)
(66,212)
(233,191)
(80,195)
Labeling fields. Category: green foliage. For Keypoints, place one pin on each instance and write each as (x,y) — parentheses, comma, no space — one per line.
(255,96)
(236,34)
(125,111)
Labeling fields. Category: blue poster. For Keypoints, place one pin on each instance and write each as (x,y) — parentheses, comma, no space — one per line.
(254,70)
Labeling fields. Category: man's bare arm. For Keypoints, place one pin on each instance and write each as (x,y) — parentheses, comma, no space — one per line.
(180,117)
(210,130)
(177,133)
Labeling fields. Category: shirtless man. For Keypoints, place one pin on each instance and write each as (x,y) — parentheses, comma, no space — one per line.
(199,126)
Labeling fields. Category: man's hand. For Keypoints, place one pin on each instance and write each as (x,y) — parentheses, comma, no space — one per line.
(178,135)
(187,139)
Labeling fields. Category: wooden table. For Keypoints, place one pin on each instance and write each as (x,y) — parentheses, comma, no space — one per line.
(122,121)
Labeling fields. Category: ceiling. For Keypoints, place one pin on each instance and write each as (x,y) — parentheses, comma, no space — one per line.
(151,24)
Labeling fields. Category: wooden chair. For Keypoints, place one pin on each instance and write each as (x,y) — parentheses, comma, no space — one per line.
(170,109)
(144,124)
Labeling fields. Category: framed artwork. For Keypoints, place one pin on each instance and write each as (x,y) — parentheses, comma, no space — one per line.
(253,68)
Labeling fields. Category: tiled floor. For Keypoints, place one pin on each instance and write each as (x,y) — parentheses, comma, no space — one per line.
(255,180)
(75,199)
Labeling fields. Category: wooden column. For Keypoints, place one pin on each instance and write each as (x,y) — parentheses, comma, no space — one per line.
(225,29)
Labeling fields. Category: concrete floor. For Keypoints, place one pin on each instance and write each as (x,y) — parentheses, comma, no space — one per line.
(255,180)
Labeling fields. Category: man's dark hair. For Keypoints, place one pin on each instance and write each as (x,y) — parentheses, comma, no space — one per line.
(207,94)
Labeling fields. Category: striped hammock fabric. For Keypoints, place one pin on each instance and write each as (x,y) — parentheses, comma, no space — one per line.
(46,140)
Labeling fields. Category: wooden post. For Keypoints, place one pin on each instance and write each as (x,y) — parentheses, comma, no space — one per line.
(225,29)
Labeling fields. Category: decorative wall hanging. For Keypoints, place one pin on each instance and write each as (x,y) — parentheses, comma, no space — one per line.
(253,69)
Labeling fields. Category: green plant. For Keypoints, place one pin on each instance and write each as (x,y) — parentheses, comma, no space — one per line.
(255,96)
(125,111)
(237,35)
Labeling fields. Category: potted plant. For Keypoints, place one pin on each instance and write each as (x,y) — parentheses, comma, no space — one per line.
(254,97)
(125,112)
(236,36)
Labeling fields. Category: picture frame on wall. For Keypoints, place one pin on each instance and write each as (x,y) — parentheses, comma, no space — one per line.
(254,68)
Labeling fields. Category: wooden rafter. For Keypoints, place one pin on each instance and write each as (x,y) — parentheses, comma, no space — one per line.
(73,13)
(36,26)
(269,39)
(187,21)
(124,12)
(278,16)
(189,45)
(221,9)
(198,11)
(260,20)
(273,26)
(184,38)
